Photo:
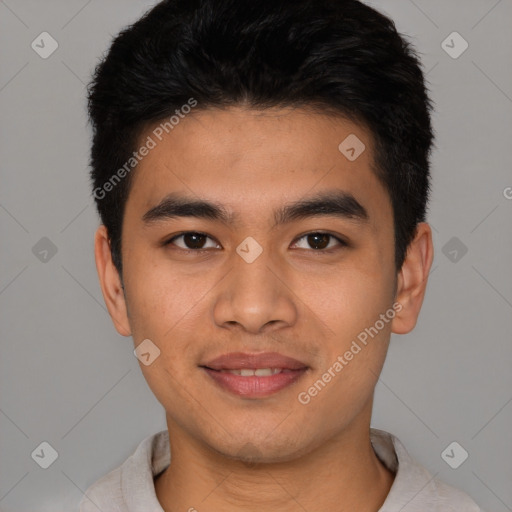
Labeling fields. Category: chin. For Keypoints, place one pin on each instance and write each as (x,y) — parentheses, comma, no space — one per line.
(262,449)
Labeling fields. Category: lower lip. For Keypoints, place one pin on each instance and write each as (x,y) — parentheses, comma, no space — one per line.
(254,387)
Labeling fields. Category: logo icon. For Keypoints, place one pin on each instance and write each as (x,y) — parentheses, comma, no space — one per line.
(44,250)
(249,455)
(454,250)
(249,249)
(454,45)
(454,455)
(44,45)
(352,147)
(146,352)
(45,455)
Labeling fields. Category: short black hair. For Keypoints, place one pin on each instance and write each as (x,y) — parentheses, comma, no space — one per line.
(335,56)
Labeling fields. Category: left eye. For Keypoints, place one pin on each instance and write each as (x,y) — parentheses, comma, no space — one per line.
(193,241)
(319,241)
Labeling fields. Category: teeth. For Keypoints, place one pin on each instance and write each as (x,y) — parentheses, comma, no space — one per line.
(249,372)
(266,372)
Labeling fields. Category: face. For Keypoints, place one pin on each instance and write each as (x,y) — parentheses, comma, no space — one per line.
(252,232)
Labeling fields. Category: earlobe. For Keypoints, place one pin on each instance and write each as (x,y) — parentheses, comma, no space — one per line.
(110,282)
(412,279)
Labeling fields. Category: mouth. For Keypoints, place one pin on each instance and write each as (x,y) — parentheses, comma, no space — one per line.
(254,375)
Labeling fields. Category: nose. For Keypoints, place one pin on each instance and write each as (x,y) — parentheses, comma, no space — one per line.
(256,297)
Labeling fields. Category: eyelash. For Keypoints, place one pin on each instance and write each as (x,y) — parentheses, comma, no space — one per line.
(342,243)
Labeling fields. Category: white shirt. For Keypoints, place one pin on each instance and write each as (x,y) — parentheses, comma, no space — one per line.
(130,487)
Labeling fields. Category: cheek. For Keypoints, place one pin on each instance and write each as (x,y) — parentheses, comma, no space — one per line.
(348,299)
(355,342)
(161,298)
(353,353)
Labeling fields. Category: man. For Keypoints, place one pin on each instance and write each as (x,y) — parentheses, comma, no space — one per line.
(261,170)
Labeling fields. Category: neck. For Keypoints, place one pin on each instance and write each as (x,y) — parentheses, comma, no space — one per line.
(342,475)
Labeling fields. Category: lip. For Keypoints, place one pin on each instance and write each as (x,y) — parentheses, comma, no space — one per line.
(236,360)
(254,386)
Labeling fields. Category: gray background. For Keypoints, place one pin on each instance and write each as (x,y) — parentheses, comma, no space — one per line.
(67,377)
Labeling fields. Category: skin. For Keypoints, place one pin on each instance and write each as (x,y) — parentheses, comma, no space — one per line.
(274,453)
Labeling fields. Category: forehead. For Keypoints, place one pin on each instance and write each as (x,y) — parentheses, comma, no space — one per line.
(250,159)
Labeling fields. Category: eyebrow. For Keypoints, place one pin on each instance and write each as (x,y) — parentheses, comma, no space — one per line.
(336,203)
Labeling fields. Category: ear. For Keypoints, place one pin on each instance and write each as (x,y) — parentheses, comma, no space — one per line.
(412,280)
(110,282)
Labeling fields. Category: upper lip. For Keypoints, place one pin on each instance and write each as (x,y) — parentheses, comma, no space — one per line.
(237,360)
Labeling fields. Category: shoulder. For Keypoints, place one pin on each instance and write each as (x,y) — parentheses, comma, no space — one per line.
(448,498)
(130,486)
(414,488)
(104,494)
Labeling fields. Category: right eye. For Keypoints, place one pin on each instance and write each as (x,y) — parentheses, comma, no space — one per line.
(192,241)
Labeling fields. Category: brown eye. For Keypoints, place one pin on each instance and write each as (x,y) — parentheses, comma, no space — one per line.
(193,241)
(319,241)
